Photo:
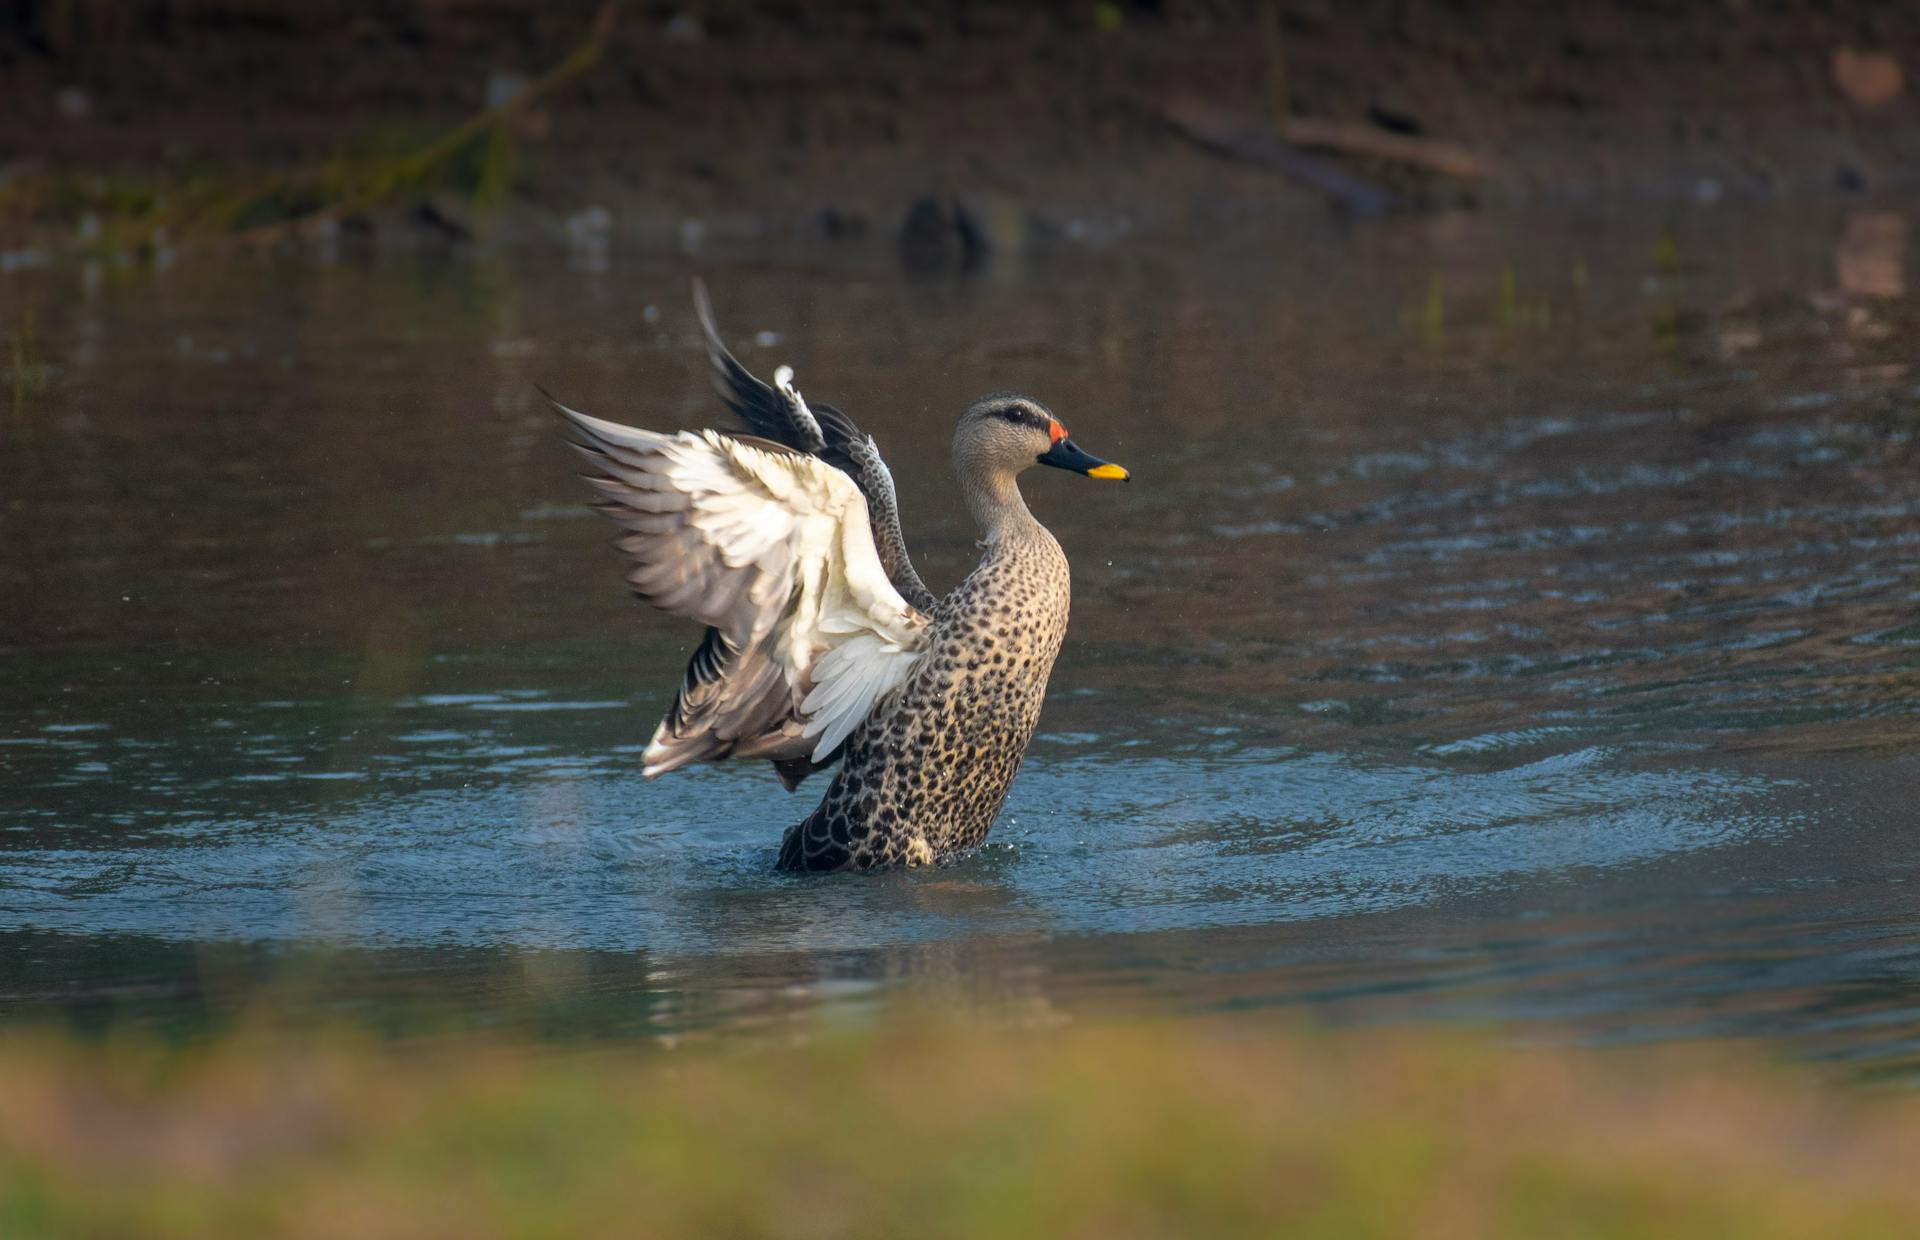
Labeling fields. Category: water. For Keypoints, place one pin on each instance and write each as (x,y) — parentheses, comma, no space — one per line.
(1511,619)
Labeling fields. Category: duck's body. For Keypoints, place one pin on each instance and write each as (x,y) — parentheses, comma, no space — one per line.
(925,773)
(823,643)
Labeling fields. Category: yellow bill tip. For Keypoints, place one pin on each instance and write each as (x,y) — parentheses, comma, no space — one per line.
(1109,471)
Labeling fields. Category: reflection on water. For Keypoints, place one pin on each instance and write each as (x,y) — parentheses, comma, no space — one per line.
(1510,619)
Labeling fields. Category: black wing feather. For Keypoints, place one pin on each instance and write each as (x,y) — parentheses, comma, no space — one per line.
(822,431)
(764,411)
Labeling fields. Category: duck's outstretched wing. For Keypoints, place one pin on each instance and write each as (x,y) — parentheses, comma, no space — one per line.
(781,414)
(771,550)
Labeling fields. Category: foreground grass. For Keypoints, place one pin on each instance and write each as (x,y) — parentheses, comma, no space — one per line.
(941,1129)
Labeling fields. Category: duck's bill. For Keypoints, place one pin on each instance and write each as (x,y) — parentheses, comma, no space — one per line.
(1067,455)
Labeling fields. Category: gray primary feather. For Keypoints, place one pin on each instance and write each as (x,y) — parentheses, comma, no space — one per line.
(747,537)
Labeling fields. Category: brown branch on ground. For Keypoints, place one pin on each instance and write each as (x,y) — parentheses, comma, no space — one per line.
(1372,142)
(1243,136)
(1248,136)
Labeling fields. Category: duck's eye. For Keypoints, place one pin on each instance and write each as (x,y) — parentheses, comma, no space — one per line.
(1011,415)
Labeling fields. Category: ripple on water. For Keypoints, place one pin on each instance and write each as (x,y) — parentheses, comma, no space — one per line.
(1104,843)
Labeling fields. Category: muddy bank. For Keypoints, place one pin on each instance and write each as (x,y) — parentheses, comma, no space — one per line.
(748,117)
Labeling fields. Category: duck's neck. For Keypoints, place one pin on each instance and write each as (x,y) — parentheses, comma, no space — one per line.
(996,505)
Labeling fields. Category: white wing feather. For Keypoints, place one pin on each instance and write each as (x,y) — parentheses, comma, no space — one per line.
(775,551)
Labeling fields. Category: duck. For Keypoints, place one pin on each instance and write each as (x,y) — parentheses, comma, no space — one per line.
(823,647)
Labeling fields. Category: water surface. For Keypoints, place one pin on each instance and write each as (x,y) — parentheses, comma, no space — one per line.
(1510,619)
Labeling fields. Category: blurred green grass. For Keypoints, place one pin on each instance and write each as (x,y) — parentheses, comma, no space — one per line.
(940,1127)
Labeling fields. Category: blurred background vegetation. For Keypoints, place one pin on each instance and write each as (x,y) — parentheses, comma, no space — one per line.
(941,1127)
(138,127)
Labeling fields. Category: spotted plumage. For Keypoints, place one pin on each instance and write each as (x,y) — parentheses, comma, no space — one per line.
(823,644)
(924,775)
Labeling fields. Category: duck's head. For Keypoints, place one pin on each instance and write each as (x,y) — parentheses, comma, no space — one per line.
(1005,433)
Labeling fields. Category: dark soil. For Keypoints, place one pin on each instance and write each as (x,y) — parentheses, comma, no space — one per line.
(754,116)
